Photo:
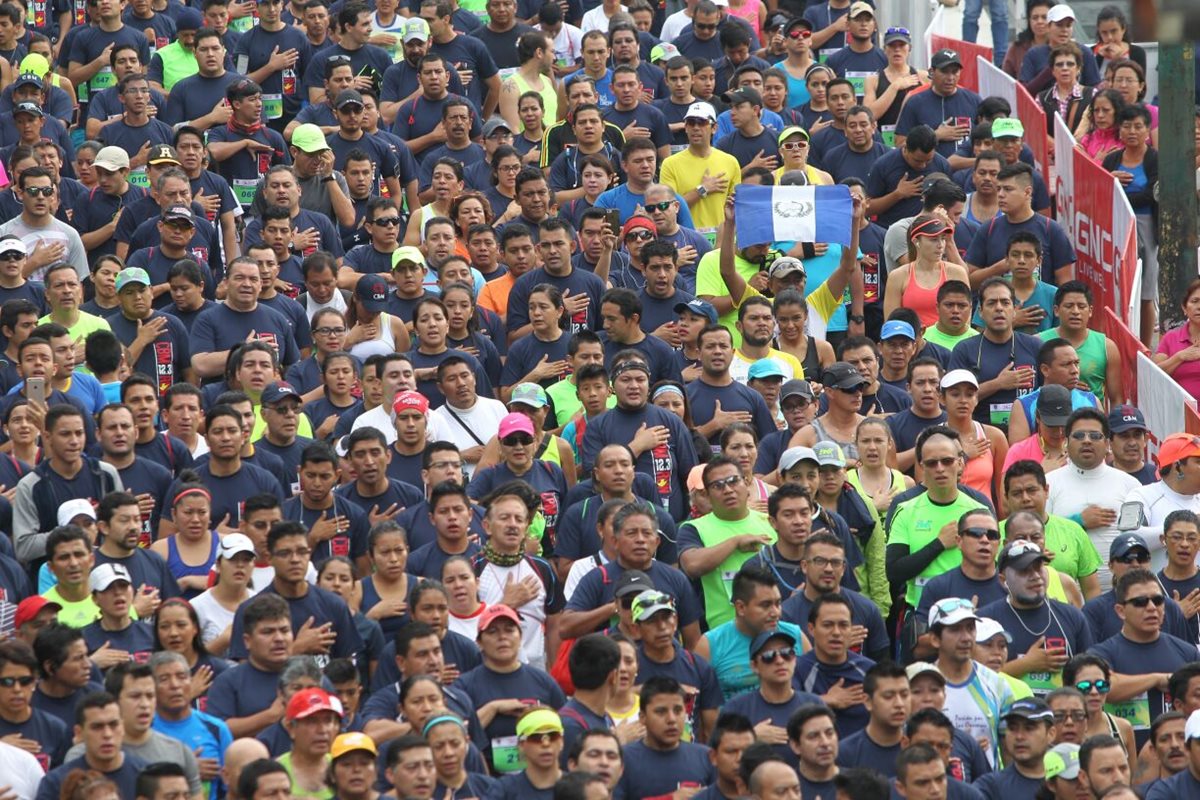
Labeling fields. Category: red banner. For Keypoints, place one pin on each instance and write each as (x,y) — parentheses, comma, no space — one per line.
(1033,119)
(1128,345)
(1191,421)
(967,51)
(1090,205)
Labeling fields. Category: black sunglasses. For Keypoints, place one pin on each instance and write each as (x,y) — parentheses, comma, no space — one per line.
(769,656)
(1141,602)
(992,534)
(517,440)
(24,680)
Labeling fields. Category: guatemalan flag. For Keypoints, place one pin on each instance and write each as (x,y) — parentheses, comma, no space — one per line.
(793,214)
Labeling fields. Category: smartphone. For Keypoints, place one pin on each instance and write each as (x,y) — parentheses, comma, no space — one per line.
(35,389)
(612,217)
(1055,643)
(1130,517)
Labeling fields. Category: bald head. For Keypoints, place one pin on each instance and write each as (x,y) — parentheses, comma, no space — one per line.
(240,753)
(657,192)
(774,780)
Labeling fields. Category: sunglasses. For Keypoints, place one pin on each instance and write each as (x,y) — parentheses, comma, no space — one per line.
(338,59)
(1141,602)
(639,236)
(39,191)
(795,145)
(720,484)
(517,440)
(769,656)
(24,680)
(1074,716)
(799,33)
(11,255)
(387,222)
(1101,685)
(545,737)
(947,461)
(992,534)
(1134,558)
(1089,436)
(663,206)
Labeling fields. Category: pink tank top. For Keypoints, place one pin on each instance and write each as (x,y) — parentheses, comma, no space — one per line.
(922,300)
(978,472)
(749,12)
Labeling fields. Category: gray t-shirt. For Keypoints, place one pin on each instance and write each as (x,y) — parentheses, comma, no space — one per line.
(314,196)
(158,748)
(895,243)
(55,231)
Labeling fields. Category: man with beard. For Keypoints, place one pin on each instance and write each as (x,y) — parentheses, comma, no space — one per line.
(457,119)
(983,202)
(855,158)
(418,121)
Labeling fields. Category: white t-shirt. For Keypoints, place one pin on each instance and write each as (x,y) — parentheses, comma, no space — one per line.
(533,636)
(466,626)
(596,20)
(580,568)
(1073,489)
(381,419)
(674,26)
(214,617)
(483,419)
(568,45)
(21,771)
(1158,500)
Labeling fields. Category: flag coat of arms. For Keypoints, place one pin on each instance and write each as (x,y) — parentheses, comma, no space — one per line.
(793,214)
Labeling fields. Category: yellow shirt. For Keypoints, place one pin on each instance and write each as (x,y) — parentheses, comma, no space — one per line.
(303,426)
(683,172)
(81,613)
(741,365)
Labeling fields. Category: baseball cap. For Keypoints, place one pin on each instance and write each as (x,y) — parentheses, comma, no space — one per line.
(958,376)
(786,265)
(30,607)
(1007,127)
(745,94)
(1177,447)
(1020,554)
(28,108)
(28,79)
(131,275)
(75,508)
(945,58)
(790,131)
(1059,13)
(106,575)
(406,401)
(1191,730)
(371,291)
(407,253)
(766,368)
(347,97)
(234,543)
(163,154)
(312,700)
(794,455)
(796,387)
(700,308)
(663,51)
(649,603)
(861,7)
(701,110)
(539,720)
(842,375)
(308,138)
(416,29)
(177,213)
(632,581)
(12,244)
(897,327)
(797,22)
(1124,543)
(1123,418)
(1030,708)
(241,89)
(529,394)
(829,454)
(1062,761)
(515,422)
(350,743)
(986,629)
(277,392)
(495,124)
(951,611)
(1053,405)
(765,636)
(695,479)
(636,222)
(897,35)
(923,668)
(188,19)
(498,611)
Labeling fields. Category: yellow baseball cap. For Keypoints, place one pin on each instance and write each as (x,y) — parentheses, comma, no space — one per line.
(350,742)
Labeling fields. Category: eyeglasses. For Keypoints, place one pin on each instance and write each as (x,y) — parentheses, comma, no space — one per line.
(946,461)
(517,440)
(509,168)
(327,331)
(1101,685)
(1074,716)
(1173,538)
(446,465)
(769,656)
(1065,65)
(663,206)
(720,484)
(287,555)
(1090,436)
(794,145)
(821,562)
(24,680)
(1141,602)
(639,236)
(546,737)
(39,191)
(799,33)
(1133,558)
(179,225)
(992,534)
(387,222)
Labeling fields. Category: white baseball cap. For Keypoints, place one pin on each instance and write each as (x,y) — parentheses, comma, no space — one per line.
(956,376)
(106,575)
(1060,12)
(701,110)
(75,508)
(235,543)
(986,629)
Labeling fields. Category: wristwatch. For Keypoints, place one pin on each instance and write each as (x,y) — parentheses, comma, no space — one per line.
(328,178)
(857,318)
(702,190)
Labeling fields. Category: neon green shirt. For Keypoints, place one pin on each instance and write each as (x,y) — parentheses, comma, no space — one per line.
(916,523)
(717,585)
(932,334)
(1074,552)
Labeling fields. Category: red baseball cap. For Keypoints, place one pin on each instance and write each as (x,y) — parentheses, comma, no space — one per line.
(307,702)
(30,607)
(406,401)
(498,611)
(1177,447)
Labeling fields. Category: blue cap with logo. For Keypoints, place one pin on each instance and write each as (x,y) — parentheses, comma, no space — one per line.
(700,308)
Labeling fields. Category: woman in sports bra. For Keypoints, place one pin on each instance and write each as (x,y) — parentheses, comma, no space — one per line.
(1092,676)
(740,442)
(446,184)
(191,551)
(915,284)
(985,448)
(884,92)
(372,329)
(791,317)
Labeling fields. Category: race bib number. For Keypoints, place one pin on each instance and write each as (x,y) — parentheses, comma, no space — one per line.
(888,133)
(103,79)
(244,190)
(506,755)
(859,81)
(999,413)
(1136,710)
(273,106)
(138,177)
(1042,683)
(164,365)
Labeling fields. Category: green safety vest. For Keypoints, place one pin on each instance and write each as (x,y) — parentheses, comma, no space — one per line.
(717,585)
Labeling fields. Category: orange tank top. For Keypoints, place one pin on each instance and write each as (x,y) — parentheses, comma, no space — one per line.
(922,300)
(979,471)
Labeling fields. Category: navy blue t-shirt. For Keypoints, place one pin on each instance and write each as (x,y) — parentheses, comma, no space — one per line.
(955,584)
(427,560)
(547,480)
(689,670)
(245,168)
(429,388)
(818,677)
(484,685)
(1037,58)
(147,568)
(1166,654)
(166,450)
(1067,623)
(33,291)
(144,476)
(400,81)
(281,100)
(130,139)
(421,115)
(166,357)
(137,639)
(932,109)
(304,219)
(242,691)
(527,352)
(598,586)
(96,209)
(646,116)
(157,264)
(1007,784)
(986,359)
(230,492)
(53,734)
(471,154)
(745,148)
(841,162)
(655,774)
(220,328)
(295,314)
(991,243)
(383,157)
(859,749)
(906,426)
(755,708)
(289,457)
(468,52)
(576,282)
(125,776)
(578,535)
(196,96)
(369,61)
(886,175)
(322,607)
(352,543)
(660,356)
(703,398)
(863,612)
(856,66)
(415,520)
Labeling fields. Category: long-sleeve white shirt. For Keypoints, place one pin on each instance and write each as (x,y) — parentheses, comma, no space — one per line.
(1158,501)
(1073,489)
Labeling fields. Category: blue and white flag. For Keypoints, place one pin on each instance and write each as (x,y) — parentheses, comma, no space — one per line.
(793,214)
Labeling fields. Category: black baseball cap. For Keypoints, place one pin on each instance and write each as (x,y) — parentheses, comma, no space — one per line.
(632,581)
(842,375)
(1054,405)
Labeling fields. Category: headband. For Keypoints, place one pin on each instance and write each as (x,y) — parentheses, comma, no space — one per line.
(190,491)
(438,720)
(668,389)
(941,228)
(628,366)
